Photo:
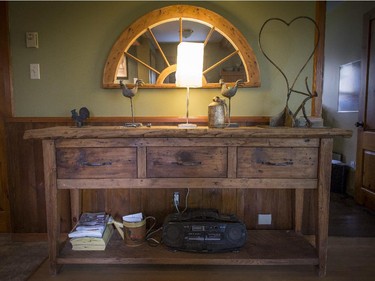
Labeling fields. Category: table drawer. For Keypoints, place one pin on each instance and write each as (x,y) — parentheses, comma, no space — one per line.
(96,163)
(262,162)
(193,162)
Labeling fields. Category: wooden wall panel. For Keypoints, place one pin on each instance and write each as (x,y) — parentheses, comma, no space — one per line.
(28,203)
(22,181)
(278,203)
(5,111)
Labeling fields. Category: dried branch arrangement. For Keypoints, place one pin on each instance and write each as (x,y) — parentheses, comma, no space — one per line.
(286,117)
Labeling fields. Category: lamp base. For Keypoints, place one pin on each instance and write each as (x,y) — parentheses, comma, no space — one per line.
(232,125)
(135,125)
(187,126)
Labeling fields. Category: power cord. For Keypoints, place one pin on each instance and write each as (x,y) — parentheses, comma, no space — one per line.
(186,202)
(153,242)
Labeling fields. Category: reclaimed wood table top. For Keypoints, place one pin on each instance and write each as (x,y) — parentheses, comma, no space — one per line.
(71,132)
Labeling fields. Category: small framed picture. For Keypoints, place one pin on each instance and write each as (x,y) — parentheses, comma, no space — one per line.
(349,87)
(122,71)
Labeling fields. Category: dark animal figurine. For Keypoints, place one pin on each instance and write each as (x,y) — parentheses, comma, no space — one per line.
(229,92)
(84,113)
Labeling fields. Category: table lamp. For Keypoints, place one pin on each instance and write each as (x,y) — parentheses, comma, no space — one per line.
(189,71)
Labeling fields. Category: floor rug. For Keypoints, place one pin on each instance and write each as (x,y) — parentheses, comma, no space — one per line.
(18,260)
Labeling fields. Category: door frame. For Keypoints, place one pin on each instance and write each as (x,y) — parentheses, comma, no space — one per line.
(363,196)
(5,112)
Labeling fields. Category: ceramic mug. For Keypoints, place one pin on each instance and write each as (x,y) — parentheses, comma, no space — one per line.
(135,232)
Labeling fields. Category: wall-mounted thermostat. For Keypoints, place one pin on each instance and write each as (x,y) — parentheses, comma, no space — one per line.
(32,40)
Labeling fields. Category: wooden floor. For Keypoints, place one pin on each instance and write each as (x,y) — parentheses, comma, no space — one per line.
(346,218)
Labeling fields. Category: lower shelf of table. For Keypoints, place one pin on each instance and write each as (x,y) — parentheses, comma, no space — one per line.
(263,247)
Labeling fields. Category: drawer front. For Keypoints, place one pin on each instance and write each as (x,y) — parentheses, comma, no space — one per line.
(277,162)
(192,162)
(74,163)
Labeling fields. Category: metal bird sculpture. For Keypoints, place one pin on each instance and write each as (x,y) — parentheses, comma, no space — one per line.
(229,92)
(84,113)
(130,93)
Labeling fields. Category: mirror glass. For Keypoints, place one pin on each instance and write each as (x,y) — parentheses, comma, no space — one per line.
(152,56)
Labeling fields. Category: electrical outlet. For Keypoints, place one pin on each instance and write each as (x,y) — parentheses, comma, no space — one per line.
(264,219)
(176,198)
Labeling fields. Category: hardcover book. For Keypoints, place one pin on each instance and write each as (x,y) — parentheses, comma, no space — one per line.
(92,243)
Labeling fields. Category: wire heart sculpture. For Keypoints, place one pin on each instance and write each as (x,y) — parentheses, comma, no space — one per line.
(286,117)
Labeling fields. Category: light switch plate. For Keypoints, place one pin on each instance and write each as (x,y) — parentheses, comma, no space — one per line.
(34,71)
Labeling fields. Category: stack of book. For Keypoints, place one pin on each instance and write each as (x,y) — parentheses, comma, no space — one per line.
(92,232)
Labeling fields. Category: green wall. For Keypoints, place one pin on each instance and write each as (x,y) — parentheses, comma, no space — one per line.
(75,39)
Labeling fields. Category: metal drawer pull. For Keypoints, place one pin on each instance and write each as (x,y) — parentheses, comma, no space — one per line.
(188,163)
(96,164)
(286,163)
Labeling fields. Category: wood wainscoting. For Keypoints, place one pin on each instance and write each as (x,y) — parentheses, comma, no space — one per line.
(26,181)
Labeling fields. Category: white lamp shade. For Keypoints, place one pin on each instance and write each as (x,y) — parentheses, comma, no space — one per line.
(189,64)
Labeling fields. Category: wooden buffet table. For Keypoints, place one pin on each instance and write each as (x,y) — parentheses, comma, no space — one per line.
(165,157)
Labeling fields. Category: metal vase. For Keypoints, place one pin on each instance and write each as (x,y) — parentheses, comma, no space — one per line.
(217,112)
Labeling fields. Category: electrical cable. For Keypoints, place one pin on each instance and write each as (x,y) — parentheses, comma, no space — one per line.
(153,242)
(186,200)
(175,205)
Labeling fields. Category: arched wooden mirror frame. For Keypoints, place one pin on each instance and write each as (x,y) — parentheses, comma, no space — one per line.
(179,12)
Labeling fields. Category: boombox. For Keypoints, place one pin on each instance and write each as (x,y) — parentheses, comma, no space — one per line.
(203,230)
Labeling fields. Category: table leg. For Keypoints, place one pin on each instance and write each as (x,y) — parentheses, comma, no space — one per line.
(75,205)
(323,193)
(298,209)
(52,203)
